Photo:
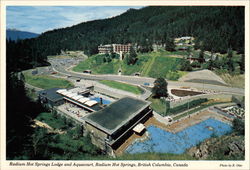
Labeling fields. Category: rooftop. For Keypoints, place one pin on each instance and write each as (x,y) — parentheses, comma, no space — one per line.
(51,94)
(117,114)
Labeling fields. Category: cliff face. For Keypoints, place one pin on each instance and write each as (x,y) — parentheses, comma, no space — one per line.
(230,147)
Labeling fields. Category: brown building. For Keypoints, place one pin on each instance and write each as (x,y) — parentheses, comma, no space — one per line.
(125,48)
(111,126)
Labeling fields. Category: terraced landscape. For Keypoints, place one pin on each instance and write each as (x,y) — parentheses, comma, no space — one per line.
(155,64)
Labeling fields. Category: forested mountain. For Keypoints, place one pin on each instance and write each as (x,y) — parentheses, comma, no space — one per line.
(13,34)
(215,29)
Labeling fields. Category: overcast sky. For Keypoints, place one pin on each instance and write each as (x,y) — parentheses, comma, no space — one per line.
(39,19)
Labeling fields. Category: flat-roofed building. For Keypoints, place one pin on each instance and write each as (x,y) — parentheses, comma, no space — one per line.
(117,48)
(111,126)
(75,97)
(50,97)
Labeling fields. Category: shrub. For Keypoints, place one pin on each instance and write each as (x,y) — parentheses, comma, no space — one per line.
(195,64)
(239,126)
(172,75)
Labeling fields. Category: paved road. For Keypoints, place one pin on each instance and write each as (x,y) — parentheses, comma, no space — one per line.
(140,80)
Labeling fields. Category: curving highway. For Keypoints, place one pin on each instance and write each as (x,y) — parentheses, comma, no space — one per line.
(141,80)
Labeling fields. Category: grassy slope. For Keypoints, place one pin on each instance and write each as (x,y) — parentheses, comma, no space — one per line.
(50,120)
(46,82)
(143,59)
(154,64)
(163,65)
(234,80)
(122,86)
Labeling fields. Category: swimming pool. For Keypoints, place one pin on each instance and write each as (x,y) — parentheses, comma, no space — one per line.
(104,101)
(166,142)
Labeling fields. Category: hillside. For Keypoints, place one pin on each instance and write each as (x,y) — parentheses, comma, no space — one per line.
(154,64)
(13,34)
(214,28)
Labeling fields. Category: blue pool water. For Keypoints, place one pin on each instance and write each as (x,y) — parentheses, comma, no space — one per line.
(166,142)
(104,101)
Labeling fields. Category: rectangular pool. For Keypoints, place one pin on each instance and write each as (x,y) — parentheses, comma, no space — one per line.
(165,142)
(104,101)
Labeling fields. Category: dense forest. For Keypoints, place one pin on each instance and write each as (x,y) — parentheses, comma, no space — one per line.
(215,29)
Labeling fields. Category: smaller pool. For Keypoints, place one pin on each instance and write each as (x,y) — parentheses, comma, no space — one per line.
(166,142)
(104,101)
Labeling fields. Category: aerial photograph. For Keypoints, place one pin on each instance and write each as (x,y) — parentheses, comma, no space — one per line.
(125,83)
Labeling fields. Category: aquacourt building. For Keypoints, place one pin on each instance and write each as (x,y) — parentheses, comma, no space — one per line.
(110,126)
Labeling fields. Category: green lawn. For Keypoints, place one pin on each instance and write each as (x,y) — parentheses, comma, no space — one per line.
(122,86)
(46,82)
(158,105)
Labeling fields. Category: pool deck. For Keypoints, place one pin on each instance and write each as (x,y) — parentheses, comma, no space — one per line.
(175,126)
(196,118)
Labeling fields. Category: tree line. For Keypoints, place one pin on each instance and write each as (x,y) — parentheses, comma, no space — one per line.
(215,29)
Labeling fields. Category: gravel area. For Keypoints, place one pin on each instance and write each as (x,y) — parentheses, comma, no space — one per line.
(203,76)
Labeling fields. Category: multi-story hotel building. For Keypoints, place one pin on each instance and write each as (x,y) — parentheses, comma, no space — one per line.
(117,48)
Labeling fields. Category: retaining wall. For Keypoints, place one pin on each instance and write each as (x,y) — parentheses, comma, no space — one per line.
(216,96)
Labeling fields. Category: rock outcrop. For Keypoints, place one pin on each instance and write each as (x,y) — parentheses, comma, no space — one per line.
(229,147)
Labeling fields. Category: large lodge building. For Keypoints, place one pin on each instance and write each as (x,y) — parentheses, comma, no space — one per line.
(116,48)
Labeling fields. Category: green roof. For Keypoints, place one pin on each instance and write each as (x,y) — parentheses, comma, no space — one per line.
(112,117)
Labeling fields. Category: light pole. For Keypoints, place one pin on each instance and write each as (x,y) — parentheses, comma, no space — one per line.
(203,86)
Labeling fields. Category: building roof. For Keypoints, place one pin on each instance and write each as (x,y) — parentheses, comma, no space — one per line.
(117,114)
(90,102)
(51,94)
(83,100)
(139,128)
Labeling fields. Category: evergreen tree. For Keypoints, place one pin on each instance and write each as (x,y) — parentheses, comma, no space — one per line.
(160,88)
(242,64)
(186,66)
(131,58)
(201,56)
(238,126)
(169,44)
(210,62)
(230,62)
(229,53)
